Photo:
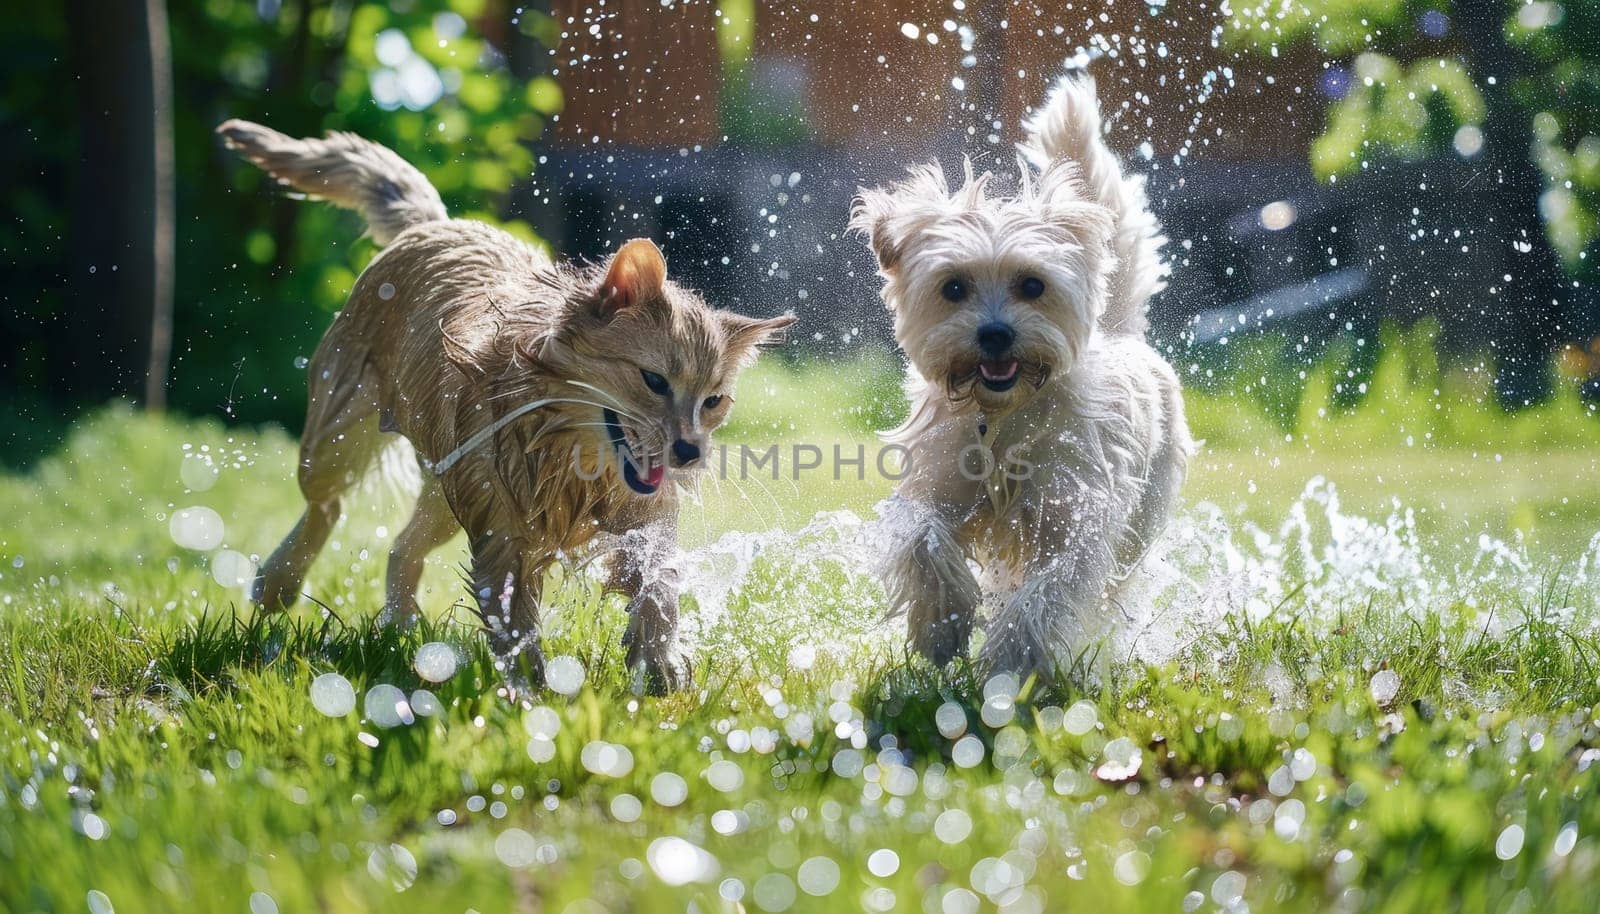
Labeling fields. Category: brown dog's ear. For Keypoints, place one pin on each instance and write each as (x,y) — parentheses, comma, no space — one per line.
(746,335)
(635,276)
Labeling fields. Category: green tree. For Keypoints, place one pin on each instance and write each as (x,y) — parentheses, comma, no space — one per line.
(452,85)
(1512,83)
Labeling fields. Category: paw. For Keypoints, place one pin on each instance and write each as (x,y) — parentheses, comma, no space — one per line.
(661,670)
(1016,654)
(521,666)
(399,615)
(944,640)
(272,595)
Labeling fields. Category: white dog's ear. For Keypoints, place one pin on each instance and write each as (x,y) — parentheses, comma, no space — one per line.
(873,215)
(891,216)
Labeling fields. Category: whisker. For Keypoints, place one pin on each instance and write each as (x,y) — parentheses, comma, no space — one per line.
(760,518)
(615,401)
(777,508)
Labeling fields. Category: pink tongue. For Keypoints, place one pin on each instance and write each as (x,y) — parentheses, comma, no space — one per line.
(998,371)
(657,473)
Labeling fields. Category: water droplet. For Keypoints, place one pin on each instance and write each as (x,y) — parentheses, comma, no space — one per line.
(1302,764)
(959,901)
(625,807)
(1228,888)
(198,472)
(333,695)
(1131,867)
(847,763)
(678,862)
(516,848)
(883,863)
(724,775)
(1566,839)
(1121,760)
(951,720)
(198,528)
(1509,844)
(99,903)
(668,789)
(1385,686)
(262,903)
(232,569)
(802,657)
(542,722)
(394,865)
(952,826)
(774,892)
(564,675)
(967,752)
(435,661)
(386,706)
(818,876)
(386,291)
(609,759)
(1080,718)
(426,704)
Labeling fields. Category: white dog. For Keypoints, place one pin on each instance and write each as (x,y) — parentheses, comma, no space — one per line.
(1047,438)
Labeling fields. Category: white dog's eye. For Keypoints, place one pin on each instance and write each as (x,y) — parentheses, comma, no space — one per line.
(1031,287)
(954,290)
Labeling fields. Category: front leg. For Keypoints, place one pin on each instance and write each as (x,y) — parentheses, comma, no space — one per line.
(1057,611)
(641,570)
(924,544)
(507,580)
(926,576)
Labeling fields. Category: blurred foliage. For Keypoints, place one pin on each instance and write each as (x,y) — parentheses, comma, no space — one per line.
(1565,99)
(1391,390)
(757,107)
(259,277)
(1407,86)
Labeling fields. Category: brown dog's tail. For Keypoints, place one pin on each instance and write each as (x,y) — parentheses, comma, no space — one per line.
(345,170)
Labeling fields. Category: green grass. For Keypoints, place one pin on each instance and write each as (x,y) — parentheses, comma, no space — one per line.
(159,744)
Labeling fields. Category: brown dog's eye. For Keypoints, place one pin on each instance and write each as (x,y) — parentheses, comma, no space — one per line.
(656,383)
(954,290)
(712,402)
(1031,287)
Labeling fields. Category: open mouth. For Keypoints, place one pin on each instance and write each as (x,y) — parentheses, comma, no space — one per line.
(999,376)
(644,485)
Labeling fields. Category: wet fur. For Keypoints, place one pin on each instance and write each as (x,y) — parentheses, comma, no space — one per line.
(451,327)
(1096,421)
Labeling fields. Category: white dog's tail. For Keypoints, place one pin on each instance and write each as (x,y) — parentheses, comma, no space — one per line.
(1067,128)
(345,170)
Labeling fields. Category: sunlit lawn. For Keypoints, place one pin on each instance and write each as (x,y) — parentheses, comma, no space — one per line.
(1371,739)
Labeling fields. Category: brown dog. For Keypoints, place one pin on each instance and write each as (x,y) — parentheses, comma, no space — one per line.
(545,402)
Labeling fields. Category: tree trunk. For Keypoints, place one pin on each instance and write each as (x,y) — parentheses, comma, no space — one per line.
(1528,312)
(119,286)
(164,216)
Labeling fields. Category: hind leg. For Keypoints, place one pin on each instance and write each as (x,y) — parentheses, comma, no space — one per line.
(340,440)
(431,526)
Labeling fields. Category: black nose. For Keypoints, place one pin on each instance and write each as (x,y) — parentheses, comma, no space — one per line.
(684,453)
(995,338)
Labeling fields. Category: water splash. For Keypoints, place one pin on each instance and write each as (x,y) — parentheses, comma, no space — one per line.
(764,593)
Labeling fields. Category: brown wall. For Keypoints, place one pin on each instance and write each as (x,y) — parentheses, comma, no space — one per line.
(650,77)
(654,73)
